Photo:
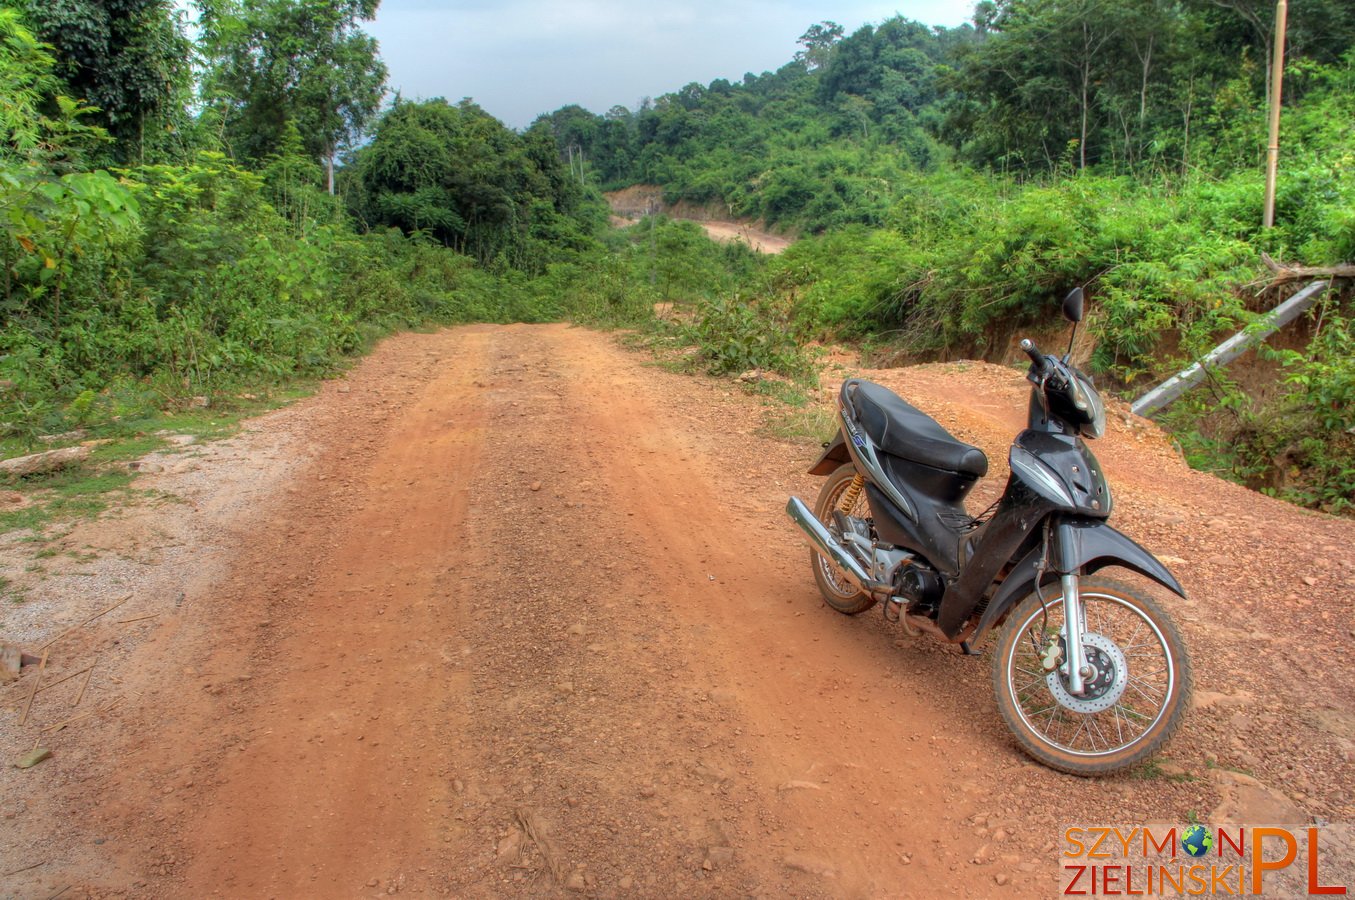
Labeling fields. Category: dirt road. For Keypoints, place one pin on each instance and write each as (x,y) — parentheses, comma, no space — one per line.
(506,612)
(634,203)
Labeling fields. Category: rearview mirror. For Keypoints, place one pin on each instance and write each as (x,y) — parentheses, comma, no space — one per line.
(1072,305)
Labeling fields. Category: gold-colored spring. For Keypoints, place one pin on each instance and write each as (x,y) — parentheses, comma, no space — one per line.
(852,494)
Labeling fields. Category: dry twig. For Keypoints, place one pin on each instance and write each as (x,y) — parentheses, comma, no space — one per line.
(109,705)
(71,721)
(33,692)
(86,622)
(63,680)
(84,687)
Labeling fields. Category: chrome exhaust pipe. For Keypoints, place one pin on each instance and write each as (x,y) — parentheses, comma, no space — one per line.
(829,548)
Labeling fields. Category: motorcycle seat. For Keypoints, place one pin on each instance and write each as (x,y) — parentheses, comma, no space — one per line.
(901,429)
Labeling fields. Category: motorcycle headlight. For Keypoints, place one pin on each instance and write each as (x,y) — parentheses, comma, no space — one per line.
(1089,405)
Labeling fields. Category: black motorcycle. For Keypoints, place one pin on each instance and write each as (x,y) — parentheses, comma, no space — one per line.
(1090,674)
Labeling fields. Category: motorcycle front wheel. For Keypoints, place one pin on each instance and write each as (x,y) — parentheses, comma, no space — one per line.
(1129,708)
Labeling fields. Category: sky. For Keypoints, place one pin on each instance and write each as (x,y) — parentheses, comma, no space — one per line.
(521,58)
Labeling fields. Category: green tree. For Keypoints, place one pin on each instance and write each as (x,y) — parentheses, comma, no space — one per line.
(302,61)
(818,41)
(1040,77)
(127,58)
(461,176)
(28,87)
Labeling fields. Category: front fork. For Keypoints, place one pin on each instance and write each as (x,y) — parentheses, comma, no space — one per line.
(1074,625)
(1074,668)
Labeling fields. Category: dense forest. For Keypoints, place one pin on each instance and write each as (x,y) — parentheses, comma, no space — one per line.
(186,218)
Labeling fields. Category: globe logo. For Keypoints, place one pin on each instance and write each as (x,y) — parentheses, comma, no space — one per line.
(1197,841)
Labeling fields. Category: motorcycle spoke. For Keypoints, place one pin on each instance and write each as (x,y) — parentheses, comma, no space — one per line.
(1153,698)
(1130,717)
(1056,714)
(1138,627)
(1119,728)
(1072,741)
(1133,649)
(1147,681)
(1149,701)
(1095,725)
(1072,723)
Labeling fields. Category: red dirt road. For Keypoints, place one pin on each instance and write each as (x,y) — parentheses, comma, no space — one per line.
(521,616)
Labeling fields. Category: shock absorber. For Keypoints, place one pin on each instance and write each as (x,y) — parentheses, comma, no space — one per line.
(852,494)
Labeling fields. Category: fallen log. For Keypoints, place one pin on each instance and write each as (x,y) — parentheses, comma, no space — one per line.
(1304,273)
(47,461)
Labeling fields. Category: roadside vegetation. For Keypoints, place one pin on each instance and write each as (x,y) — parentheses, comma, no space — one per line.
(950,184)
(192,223)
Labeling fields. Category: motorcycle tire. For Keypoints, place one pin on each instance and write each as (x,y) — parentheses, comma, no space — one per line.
(837,590)
(1136,700)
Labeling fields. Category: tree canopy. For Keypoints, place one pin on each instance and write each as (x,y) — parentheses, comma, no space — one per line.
(128,59)
(271,62)
(458,174)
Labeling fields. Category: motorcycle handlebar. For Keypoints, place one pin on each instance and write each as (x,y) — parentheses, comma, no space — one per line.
(1036,357)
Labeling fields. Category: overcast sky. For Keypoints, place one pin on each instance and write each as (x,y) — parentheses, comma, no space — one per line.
(521,58)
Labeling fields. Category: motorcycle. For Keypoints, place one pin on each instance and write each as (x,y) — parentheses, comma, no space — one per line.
(1090,674)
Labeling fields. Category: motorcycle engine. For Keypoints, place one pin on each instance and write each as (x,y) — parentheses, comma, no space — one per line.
(922,588)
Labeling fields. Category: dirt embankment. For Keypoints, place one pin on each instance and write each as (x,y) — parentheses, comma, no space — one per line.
(636,202)
(506,612)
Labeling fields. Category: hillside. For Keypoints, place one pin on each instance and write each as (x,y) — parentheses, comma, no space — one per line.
(634,203)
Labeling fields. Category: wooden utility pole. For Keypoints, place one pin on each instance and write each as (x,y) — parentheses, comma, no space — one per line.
(1273,147)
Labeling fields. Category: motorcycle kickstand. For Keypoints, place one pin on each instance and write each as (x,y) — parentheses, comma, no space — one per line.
(968,650)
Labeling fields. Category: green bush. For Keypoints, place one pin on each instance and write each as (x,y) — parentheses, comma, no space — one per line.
(733,335)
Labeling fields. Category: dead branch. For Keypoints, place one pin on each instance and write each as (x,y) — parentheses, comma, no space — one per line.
(51,684)
(84,687)
(28,704)
(1285,273)
(86,622)
(69,722)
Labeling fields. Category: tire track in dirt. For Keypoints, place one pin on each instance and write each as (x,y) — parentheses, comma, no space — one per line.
(582,716)
(339,777)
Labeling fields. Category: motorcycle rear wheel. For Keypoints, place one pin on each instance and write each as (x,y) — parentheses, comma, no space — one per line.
(836,588)
(1136,701)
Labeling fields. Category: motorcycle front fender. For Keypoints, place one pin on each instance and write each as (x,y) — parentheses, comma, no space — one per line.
(1090,546)
(834,455)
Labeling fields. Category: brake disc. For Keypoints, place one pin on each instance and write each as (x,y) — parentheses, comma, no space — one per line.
(1104,689)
